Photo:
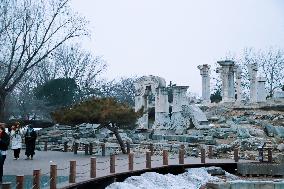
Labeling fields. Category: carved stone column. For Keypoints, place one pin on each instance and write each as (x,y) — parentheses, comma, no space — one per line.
(204,72)
(227,76)
(238,72)
(261,92)
(252,72)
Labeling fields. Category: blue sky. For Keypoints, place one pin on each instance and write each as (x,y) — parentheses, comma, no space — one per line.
(170,38)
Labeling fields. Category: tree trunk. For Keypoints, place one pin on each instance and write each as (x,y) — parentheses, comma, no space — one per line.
(120,141)
(2,106)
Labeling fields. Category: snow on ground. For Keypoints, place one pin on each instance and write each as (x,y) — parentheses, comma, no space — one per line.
(192,179)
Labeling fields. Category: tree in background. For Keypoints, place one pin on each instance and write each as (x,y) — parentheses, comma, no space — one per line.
(73,62)
(57,92)
(67,62)
(216,96)
(21,102)
(122,90)
(216,85)
(29,32)
(270,64)
(107,112)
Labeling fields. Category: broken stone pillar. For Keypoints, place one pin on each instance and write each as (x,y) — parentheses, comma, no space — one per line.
(238,72)
(204,72)
(227,76)
(142,101)
(161,106)
(179,98)
(252,72)
(261,92)
(145,88)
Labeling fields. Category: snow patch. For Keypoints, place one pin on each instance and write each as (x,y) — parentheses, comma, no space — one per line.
(192,179)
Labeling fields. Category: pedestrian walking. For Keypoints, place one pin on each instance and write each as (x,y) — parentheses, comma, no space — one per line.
(4,143)
(30,140)
(16,140)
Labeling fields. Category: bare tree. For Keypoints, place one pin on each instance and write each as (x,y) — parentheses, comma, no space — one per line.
(32,30)
(71,61)
(80,65)
(271,63)
(68,61)
(122,90)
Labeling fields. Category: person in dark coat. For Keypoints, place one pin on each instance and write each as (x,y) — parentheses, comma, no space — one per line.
(4,143)
(30,140)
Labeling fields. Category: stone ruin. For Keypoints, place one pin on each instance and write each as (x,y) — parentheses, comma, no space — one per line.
(171,119)
(169,116)
(175,116)
(178,115)
(230,74)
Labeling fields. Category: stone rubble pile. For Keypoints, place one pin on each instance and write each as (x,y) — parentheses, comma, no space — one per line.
(245,129)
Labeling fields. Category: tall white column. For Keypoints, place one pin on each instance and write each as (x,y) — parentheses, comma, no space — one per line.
(179,98)
(204,72)
(252,72)
(261,92)
(238,83)
(231,78)
(227,76)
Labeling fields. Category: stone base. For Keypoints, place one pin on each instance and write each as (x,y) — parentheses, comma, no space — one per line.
(246,185)
(270,169)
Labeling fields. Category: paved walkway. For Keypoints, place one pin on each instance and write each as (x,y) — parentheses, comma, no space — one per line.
(43,160)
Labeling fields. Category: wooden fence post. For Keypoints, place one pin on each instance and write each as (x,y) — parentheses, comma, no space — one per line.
(165,157)
(36,179)
(65,147)
(181,156)
(20,182)
(130,161)
(269,155)
(86,149)
(45,146)
(91,149)
(6,185)
(148,160)
(72,174)
(112,163)
(75,149)
(236,154)
(203,155)
(53,176)
(93,167)
(128,147)
(103,149)
(210,155)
